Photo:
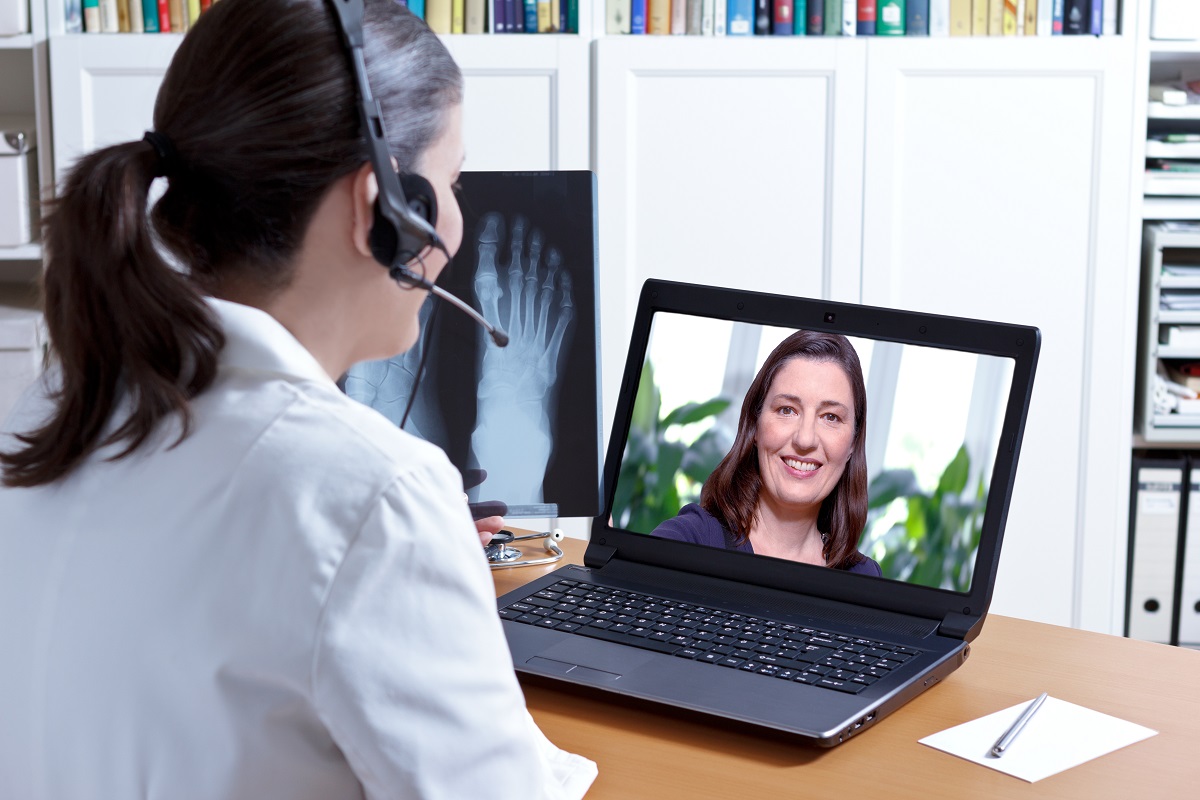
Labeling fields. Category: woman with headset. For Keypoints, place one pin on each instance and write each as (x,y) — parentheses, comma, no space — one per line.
(220,577)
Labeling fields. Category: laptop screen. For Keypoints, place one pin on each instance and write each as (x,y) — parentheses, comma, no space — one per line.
(913,468)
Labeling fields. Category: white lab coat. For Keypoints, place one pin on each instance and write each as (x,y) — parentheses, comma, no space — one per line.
(291,603)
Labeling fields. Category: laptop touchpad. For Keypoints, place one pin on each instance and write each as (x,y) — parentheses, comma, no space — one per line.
(597,655)
(547,665)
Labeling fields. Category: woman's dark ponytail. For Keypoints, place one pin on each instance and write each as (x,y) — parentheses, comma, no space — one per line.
(125,325)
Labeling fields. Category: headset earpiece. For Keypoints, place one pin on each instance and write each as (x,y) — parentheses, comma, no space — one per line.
(391,246)
(422,199)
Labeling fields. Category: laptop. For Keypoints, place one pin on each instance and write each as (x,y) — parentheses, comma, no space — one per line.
(669,609)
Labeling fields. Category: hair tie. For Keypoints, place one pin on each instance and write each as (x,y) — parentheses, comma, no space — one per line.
(168,156)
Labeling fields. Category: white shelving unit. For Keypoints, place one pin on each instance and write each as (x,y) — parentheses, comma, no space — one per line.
(25,91)
(1164,247)
(1166,200)
(1163,61)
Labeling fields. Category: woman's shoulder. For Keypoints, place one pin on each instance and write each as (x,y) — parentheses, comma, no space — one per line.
(361,438)
(692,524)
(309,442)
(866,566)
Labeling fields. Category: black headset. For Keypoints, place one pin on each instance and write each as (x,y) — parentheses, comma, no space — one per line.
(406,208)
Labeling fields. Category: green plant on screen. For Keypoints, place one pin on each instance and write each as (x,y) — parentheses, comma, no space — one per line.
(667,457)
(926,537)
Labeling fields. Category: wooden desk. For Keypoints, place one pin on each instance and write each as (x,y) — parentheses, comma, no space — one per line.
(644,752)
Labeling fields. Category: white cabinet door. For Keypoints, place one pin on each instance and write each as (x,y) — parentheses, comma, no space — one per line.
(726,162)
(103,90)
(997,186)
(526,101)
(526,98)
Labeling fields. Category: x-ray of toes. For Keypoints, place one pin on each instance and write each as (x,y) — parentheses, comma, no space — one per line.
(527,415)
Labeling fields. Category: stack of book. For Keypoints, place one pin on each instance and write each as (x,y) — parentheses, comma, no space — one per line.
(510,16)
(863,17)
(683,17)
(133,16)
(442,16)
(1173,141)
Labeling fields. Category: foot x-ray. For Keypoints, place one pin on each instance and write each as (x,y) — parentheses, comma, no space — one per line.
(521,422)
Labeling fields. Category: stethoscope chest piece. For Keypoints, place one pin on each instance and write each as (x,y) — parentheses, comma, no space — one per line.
(501,556)
(498,551)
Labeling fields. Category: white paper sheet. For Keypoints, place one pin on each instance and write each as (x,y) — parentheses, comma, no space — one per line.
(1060,735)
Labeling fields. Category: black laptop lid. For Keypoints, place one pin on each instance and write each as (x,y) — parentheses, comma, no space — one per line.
(946,402)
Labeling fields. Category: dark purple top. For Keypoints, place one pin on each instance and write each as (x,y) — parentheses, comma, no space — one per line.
(694,524)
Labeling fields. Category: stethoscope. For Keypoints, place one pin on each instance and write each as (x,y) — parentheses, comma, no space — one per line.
(501,556)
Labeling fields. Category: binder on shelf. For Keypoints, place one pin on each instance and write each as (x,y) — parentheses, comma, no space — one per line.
(1188,598)
(1155,517)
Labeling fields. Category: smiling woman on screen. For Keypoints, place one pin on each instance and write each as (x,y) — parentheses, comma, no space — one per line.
(794,484)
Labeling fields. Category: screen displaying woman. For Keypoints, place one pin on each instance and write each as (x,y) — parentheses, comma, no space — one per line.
(754,438)
(794,484)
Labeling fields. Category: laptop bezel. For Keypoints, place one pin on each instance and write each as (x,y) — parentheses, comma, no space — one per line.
(957,614)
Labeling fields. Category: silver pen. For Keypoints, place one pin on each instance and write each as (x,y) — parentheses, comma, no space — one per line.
(1004,741)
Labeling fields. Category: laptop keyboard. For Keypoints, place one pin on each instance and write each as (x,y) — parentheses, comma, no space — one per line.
(710,636)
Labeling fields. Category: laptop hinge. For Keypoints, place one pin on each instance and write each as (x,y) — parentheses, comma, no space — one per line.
(959,626)
(597,555)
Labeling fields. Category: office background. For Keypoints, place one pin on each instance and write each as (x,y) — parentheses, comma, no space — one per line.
(989,177)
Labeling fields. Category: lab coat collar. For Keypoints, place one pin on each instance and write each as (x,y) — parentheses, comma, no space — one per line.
(256,341)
